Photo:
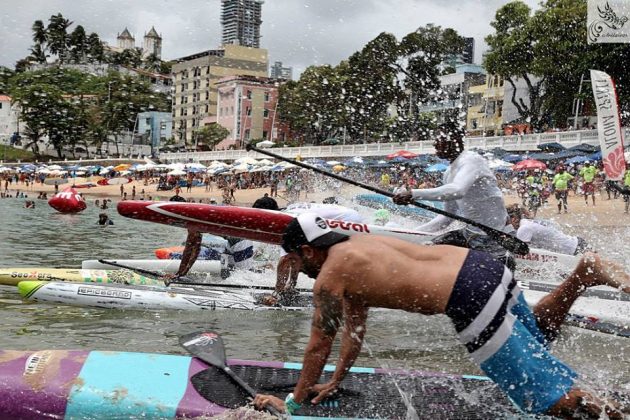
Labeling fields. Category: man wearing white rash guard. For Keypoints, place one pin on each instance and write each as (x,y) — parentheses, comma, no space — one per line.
(288,266)
(470,190)
(539,234)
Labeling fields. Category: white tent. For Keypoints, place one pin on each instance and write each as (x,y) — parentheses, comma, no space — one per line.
(195,165)
(55,167)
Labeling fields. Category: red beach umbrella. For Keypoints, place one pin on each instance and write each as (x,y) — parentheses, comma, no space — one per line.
(402,153)
(529,164)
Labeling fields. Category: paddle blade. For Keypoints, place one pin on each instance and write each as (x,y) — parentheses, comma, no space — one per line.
(207,346)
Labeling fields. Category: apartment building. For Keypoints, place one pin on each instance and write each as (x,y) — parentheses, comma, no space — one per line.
(485,110)
(247,108)
(195,78)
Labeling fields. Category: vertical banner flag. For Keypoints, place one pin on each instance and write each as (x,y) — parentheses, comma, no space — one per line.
(608,125)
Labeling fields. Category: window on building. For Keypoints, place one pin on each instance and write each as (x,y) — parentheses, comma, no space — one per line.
(0,105)
(499,108)
(147,121)
(207,95)
(207,70)
(266,113)
(473,123)
(231,110)
(248,111)
(249,94)
(266,96)
(264,136)
(207,109)
(247,134)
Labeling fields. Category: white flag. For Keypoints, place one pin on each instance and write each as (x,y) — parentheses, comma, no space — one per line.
(608,125)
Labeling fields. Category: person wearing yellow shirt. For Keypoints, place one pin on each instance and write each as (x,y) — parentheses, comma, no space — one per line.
(588,173)
(385,180)
(560,184)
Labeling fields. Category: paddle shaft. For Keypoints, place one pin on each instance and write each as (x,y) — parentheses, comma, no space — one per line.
(509,242)
(188,280)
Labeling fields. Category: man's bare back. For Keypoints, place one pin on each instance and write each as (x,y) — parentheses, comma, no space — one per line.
(416,278)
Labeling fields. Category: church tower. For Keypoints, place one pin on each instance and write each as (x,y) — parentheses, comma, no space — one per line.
(152,44)
(125,40)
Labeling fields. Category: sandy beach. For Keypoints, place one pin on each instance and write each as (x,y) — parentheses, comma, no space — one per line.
(605,213)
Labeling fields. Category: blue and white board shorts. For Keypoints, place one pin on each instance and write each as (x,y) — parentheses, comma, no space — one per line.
(500,332)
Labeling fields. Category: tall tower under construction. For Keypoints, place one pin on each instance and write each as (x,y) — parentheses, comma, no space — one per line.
(241,20)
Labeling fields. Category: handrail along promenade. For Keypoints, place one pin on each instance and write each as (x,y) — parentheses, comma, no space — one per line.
(514,143)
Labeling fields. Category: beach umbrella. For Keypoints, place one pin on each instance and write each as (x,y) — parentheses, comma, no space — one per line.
(265,162)
(595,156)
(529,164)
(176,172)
(265,144)
(55,168)
(403,154)
(513,158)
(498,164)
(240,168)
(437,167)
(122,167)
(196,165)
(585,148)
(333,162)
(551,147)
(577,159)
(246,160)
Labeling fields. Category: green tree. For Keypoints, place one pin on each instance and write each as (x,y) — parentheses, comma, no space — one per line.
(211,135)
(40,37)
(420,61)
(369,88)
(96,51)
(57,36)
(512,56)
(5,77)
(78,45)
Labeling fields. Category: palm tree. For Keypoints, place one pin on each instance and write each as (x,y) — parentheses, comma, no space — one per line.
(57,32)
(78,44)
(38,54)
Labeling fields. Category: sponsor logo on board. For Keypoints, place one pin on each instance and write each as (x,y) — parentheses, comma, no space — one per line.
(32,275)
(115,294)
(37,362)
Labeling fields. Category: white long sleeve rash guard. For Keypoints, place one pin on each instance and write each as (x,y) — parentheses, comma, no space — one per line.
(470,190)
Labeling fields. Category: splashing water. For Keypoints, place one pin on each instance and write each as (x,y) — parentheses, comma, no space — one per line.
(406,396)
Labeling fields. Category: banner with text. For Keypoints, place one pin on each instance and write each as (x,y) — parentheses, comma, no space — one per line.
(608,125)
(607,21)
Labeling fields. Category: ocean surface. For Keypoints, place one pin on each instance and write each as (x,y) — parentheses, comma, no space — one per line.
(41,237)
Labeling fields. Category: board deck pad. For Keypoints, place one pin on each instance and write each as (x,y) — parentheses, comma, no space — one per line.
(366,395)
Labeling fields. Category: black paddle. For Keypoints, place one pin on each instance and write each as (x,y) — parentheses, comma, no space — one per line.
(507,241)
(187,280)
(208,346)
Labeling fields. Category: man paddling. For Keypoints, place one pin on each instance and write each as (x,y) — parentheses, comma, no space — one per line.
(470,190)
(475,290)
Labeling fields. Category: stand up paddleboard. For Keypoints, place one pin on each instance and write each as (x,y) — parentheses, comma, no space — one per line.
(268,225)
(149,297)
(99,384)
(12,276)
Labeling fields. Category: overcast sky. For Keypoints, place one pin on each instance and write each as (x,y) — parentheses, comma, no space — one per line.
(297,32)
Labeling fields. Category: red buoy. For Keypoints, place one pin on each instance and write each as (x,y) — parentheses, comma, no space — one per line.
(67,201)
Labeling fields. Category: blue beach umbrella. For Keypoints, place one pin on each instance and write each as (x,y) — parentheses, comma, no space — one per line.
(577,159)
(437,167)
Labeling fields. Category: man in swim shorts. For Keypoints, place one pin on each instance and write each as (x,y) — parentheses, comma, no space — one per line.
(478,293)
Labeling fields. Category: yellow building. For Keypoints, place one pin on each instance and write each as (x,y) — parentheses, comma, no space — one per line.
(194,83)
(485,110)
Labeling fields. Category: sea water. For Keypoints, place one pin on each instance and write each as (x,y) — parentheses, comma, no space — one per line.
(41,237)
